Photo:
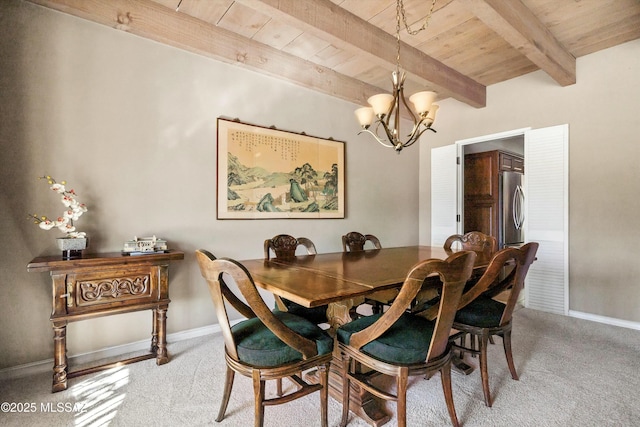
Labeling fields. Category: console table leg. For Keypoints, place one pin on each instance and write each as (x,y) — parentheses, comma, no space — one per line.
(160,321)
(59,357)
(154,331)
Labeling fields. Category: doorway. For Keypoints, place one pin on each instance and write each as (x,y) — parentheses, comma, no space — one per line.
(546,207)
(491,189)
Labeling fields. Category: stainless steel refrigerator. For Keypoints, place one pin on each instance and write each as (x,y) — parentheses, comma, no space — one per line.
(511,209)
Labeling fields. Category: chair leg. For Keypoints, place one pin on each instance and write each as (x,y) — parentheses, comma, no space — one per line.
(279,387)
(506,342)
(346,386)
(258,392)
(463,343)
(402,380)
(226,394)
(376,307)
(484,372)
(324,394)
(473,344)
(445,375)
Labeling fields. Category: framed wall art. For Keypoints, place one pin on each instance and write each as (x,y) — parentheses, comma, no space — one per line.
(266,173)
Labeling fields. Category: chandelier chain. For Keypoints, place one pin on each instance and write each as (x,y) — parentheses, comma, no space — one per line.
(401,14)
(425,24)
(398,9)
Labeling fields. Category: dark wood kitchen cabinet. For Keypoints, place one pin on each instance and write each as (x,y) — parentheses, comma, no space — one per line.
(482,188)
(510,162)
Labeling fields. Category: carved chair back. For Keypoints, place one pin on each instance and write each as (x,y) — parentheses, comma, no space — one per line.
(474,241)
(285,246)
(355,241)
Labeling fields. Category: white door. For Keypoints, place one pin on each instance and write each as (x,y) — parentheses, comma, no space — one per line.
(444,188)
(546,210)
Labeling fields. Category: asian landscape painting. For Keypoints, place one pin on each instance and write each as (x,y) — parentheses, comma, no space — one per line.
(268,173)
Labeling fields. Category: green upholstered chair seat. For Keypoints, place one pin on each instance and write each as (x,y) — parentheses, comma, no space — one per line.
(405,343)
(258,346)
(483,312)
(315,315)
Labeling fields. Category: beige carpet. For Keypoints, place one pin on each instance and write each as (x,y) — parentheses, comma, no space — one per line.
(572,373)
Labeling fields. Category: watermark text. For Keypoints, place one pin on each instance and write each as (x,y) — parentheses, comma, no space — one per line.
(48,407)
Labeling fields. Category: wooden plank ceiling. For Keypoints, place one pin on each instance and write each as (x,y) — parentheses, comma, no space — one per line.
(347,48)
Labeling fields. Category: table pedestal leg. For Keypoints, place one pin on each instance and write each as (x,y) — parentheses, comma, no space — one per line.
(59,356)
(361,402)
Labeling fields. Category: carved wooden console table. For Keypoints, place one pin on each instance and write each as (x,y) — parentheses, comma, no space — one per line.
(101,285)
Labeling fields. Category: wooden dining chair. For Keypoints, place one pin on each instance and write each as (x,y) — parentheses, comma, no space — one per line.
(480,316)
(401,344)
(266,345)
(355,241)
(482,244)
(285,246)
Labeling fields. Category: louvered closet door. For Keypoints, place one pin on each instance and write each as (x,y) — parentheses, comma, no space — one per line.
(546,220)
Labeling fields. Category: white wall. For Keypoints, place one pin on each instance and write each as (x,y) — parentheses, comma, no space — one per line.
(131,125)
(604,170)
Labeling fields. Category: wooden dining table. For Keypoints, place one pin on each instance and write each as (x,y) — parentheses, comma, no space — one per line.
(342,280)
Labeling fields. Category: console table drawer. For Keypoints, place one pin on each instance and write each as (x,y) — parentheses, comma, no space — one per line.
(89,290)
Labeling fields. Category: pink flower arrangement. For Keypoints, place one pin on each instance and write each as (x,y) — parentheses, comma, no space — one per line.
(74,210)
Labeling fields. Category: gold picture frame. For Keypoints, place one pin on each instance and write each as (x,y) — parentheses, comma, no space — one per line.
(266,173)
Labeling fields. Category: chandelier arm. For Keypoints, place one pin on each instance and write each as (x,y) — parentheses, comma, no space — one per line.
(376,138)
(387,117)
(387,133)
(416,127)
(414,118)
(417,137)
(385,120)
(390,137)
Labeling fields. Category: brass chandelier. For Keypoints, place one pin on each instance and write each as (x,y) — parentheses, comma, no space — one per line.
(384,110)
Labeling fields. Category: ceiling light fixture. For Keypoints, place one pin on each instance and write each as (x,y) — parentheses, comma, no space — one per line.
(385,108)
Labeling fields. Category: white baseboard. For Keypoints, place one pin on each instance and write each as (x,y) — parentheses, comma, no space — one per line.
(604,319)
(43,366)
